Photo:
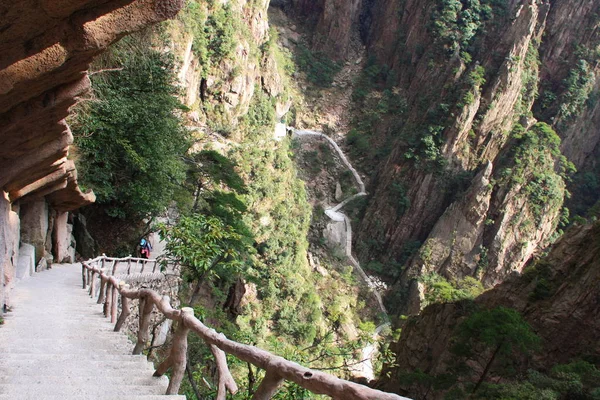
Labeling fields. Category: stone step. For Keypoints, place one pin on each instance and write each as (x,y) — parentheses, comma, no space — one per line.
(81,373)
(97,321)
(90,341)
(93,316)
(82,332)
(68,389)
(145,379)
(58,357)
(39,396)
(74,364)
(74,348)
(53,312)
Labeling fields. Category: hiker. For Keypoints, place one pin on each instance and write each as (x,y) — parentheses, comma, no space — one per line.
(145,248)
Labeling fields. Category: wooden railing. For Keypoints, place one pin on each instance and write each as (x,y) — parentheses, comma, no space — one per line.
(277,368)
(130,264)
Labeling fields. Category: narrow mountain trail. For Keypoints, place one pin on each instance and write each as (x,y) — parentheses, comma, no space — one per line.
(336,215)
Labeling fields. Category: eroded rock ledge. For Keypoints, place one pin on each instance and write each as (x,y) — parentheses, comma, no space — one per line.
(46,47)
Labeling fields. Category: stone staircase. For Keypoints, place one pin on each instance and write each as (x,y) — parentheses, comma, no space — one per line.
(56,344)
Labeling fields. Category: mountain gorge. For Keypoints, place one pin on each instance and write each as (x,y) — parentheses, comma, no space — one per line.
(474,125)
(495,96)
(476,122)
(469,120)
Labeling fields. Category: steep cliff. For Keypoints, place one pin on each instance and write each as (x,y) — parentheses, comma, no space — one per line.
(467,77)
(225,50)
(557,295)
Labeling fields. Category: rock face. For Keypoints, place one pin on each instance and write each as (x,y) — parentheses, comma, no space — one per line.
(230,85)
(86,245)
(335,27)
(34,226)
(467,94)
(9,248)
(63,239)
(558,296)
(46,49)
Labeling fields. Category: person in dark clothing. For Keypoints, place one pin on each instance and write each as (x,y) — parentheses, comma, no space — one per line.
(145,248)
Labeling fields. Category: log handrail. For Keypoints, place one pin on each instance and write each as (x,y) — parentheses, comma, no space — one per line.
(277,369)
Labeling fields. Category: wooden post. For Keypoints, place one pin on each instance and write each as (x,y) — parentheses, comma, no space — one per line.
(101,295)
(125,310)
(143,334)
(103,260)
(226,381)
(143,265)
(177,358)
(114,266)
(108,299)
(129,265)
(92,284)
(268,387)
(83,275)
(115,303)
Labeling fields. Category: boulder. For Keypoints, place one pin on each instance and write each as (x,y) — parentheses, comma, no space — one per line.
(335,235)
(41,265)
(339,194)
(235,297)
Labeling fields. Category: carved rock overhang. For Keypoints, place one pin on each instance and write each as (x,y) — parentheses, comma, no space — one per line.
(46,47)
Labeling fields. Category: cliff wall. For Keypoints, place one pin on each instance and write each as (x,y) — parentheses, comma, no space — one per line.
(557,296)
(473,77)
(46,49)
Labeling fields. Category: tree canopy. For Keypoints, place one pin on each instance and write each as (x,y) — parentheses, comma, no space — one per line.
(130,138)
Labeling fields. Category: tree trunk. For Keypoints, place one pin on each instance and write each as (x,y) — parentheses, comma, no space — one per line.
(197,195)
(486,369)
(195,293)
(188,370)
(251,381)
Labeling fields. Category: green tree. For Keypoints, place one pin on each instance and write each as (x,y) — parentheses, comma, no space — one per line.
(208,171)
(130,139)
(205,247)
(500,331)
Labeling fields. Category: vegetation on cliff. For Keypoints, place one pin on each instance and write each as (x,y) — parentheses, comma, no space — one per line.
(130,136)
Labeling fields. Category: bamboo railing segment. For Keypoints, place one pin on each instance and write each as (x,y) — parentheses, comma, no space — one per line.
(277,369)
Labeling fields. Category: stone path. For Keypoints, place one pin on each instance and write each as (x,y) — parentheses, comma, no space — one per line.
(56,344)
